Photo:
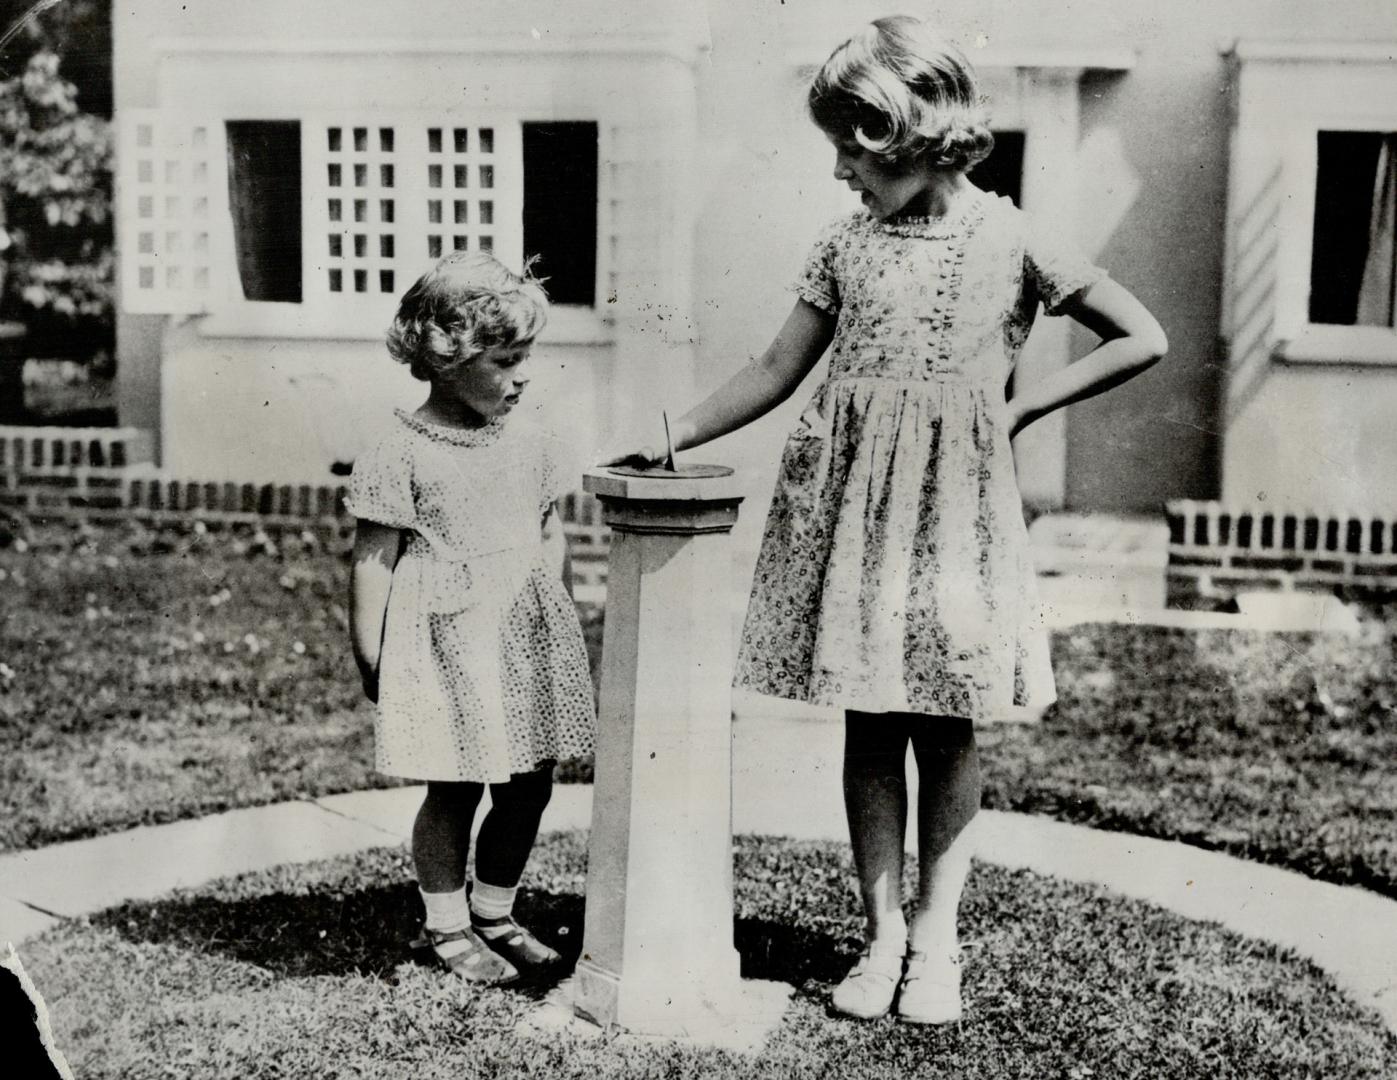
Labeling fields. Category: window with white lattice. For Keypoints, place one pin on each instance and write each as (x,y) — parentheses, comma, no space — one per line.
(314,225)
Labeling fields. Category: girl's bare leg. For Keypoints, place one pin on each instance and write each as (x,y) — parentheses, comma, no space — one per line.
(875,800)
(441,835)
(948,769)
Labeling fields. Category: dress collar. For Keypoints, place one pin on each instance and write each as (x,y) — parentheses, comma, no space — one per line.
(484,435)
(936,227)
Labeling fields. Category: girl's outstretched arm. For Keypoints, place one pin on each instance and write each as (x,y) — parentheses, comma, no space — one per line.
(755,390)
(1131,341)
(376,552)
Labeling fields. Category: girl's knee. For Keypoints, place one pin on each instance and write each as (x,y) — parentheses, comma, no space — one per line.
(525,792)
(453,794)
(942,735)
(874,742)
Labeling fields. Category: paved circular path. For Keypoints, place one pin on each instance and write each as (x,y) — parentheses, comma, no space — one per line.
(785,782)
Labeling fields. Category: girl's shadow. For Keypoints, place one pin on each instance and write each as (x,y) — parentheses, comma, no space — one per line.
(367,932)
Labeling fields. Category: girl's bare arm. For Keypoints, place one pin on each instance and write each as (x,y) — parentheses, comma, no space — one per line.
(1131,341)
(377,549)
(755,390)
(557,543)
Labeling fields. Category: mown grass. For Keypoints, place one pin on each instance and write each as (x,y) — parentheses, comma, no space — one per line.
(1278,747)
(148,677)
(302,972)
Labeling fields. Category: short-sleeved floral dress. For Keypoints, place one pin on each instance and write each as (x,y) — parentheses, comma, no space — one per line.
(483,671)
(894,573)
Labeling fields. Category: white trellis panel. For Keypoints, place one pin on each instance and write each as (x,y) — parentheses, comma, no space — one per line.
(173,204)
(385,195)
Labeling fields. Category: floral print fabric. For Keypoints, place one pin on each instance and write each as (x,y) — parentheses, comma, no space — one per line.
(483,672)
(894,573)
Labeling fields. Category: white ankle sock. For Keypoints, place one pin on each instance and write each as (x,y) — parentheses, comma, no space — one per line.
(891,937)
(491,901)
(446,911)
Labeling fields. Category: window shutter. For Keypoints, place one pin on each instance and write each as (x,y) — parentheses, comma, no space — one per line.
(172,180)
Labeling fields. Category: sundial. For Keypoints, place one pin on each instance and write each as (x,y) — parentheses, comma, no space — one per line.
(667,469)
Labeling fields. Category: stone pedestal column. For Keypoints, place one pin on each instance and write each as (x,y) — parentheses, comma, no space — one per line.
(657,954)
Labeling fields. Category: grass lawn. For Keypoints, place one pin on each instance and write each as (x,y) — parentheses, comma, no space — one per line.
(302,972)
(149,677)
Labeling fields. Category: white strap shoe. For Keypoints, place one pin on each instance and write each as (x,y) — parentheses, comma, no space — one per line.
(867,991)
(930,989)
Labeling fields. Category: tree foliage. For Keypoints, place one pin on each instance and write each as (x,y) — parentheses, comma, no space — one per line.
(56,184)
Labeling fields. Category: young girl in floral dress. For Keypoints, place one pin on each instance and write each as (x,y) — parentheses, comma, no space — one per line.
(463,630)
(894,578)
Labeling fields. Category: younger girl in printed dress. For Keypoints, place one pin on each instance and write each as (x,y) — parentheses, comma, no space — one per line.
(894,578)
(463,628)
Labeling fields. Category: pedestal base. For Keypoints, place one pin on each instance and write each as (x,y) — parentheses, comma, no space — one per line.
(741,1023)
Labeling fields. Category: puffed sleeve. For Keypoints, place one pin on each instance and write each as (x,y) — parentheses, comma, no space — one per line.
(380,487)
(559,470)
(1055,270)
(818,283)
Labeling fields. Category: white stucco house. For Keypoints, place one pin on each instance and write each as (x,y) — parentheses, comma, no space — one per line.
(286,170)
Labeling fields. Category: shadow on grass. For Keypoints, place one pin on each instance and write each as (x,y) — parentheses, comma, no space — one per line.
(367,933)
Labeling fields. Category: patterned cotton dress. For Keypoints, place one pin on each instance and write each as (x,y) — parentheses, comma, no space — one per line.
(483,672)
(894,573)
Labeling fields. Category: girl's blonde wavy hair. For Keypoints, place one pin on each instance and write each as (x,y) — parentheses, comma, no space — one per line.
(903,92)
(467,303)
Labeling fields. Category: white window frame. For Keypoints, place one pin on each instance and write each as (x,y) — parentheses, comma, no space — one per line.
(1287,94)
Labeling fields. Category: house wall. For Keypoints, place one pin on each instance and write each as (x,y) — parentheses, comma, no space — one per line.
(739,182)
(1310,406)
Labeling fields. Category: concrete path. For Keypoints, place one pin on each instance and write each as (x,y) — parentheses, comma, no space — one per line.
(786,782)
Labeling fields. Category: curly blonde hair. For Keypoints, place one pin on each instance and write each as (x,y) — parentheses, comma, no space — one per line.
(467,303)
(905,93)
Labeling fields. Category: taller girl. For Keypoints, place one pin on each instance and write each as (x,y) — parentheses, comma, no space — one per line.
(894,578)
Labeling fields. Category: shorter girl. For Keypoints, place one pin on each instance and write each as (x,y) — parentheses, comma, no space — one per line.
(463,629)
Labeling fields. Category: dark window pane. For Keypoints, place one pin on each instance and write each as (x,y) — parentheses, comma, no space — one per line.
(434,140)
(461,141)
(1345,174)
(487,140)
(334,134)
(385,140)
(1002,171)
(264,190)
(361,139)
(560,207)
(434,247)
